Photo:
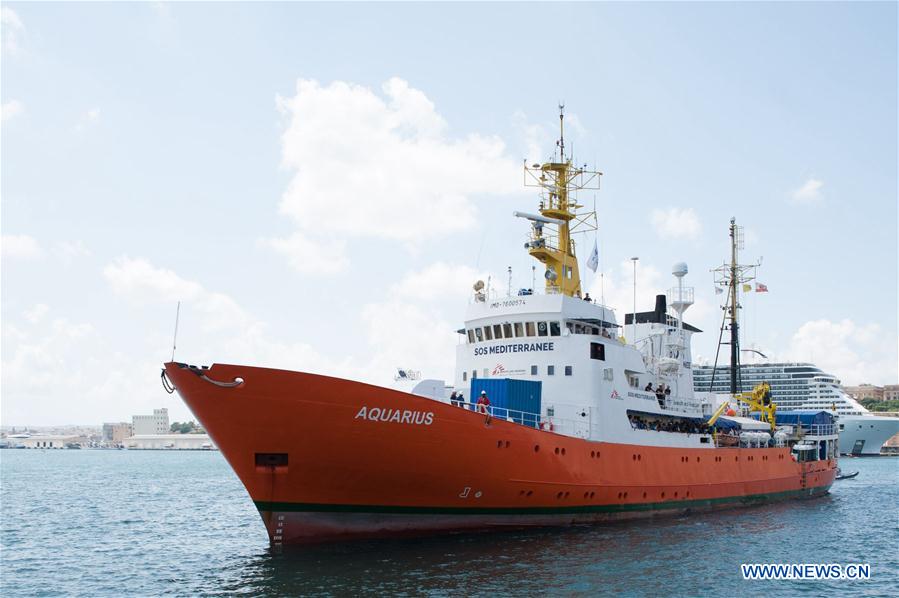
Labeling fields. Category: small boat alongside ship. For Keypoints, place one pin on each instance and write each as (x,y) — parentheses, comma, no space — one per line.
(574,431)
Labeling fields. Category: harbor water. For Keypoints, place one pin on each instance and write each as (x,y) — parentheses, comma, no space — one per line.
(146,523)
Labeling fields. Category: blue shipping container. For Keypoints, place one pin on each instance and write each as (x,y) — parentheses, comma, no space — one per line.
(518,400)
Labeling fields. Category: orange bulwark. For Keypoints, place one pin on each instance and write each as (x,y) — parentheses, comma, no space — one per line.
(325,458)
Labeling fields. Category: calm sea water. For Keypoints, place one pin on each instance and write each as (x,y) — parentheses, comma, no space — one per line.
(115,523)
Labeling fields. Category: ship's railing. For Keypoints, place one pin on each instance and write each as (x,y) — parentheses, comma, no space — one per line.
(568,427)
(819,429)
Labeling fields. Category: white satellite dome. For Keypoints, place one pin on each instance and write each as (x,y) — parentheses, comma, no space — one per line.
(679,269)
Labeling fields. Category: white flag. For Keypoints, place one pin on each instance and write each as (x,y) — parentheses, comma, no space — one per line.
(593,262)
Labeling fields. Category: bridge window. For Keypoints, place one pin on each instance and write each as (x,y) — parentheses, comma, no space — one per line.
(529,327)
(497,331)
(478,334)
(464,376)
(519,329)
(507,330)
(568,370)
(554,329)
(471,336)
(474,374)
(488,333)
(550,370)
(533,370)
(598,351)
(541,328)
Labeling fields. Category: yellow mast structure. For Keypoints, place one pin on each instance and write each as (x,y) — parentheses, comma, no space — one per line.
(550,239)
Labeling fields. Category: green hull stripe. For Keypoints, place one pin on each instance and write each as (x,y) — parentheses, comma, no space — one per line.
(282,507)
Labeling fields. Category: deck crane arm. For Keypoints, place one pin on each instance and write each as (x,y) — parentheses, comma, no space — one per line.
(759,399)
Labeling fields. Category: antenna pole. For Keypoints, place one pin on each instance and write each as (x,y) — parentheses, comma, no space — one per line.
(509,289)
(562,131)
(175,338)
(734,317)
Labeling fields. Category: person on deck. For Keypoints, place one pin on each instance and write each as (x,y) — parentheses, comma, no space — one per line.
(648,387)
(660,395)
(587,298)
(454,400)
(484,404)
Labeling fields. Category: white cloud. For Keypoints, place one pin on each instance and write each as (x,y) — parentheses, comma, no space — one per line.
(408,335)
(230,333)
(37,313)
(20,247)
(384,165)
(676,223)
(70,250)
(438,281)
(809,192)
(89,118)
(141,282)
(12,30)
(11,109)
(853,352)
(308,255)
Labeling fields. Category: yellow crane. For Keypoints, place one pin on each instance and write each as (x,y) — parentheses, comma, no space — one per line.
(759,399)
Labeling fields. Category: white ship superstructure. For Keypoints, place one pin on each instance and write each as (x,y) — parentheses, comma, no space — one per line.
(804,386)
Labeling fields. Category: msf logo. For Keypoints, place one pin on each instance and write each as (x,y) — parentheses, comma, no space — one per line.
(499,369)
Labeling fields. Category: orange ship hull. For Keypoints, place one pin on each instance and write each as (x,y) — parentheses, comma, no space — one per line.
(325,458)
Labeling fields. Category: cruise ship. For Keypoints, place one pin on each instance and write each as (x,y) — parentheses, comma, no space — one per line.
(803,386)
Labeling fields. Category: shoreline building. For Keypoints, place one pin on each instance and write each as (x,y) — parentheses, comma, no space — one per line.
(864,391)
(177,442)
(116,433)
(144,425)
(887,392)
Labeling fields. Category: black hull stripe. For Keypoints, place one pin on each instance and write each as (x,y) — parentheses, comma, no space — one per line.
(282,507)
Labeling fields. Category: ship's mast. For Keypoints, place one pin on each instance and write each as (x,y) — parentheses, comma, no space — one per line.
(550,239)
(733,275)
(733,307)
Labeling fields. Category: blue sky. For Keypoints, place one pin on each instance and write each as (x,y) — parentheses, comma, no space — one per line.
(321,184)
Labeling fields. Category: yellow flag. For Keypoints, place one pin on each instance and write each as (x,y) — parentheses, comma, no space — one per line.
(747,288)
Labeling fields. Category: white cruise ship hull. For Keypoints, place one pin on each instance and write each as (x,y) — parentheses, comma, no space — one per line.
(866,434)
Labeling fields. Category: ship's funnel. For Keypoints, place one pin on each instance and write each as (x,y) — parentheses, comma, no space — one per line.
(661,308)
